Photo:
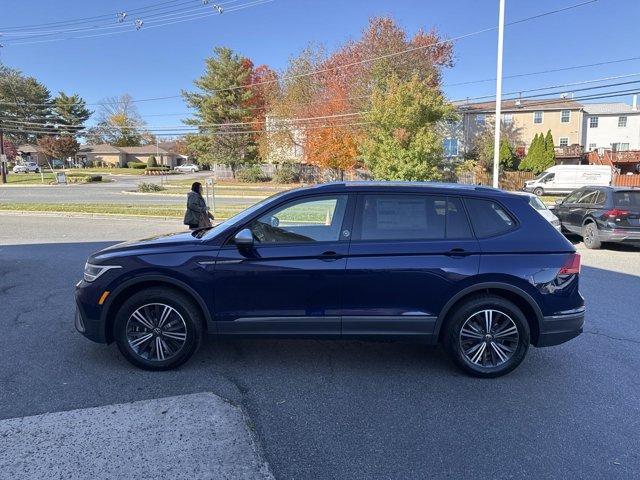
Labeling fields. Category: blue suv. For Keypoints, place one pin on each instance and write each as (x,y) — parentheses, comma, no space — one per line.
(473,268)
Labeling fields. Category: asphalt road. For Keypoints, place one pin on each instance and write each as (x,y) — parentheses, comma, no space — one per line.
(336,410)
(111,192)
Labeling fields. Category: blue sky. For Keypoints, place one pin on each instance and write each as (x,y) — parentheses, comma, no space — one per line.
(162,61)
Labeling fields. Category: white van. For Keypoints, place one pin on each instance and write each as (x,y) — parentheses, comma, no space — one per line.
(567,178)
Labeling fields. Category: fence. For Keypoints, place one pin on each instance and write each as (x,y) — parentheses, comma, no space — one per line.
(306,173)
(626,180)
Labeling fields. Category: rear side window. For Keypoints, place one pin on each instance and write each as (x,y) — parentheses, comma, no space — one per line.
(411,217)
(488,218)
(627,199)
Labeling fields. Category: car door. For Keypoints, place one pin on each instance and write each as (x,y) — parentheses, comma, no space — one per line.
(580,208)
(563,210)
(408,253)
(290,281)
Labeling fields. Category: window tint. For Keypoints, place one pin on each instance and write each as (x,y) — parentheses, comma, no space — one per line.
(548,178)
(573,197)
(317,219)
(488,218)
(411,217)
(627,199)
(588,196)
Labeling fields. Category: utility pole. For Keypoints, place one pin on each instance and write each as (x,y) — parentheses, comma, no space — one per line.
(496,138)
(3,163)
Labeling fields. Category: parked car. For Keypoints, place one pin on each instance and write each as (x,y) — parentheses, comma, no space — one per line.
(542,208)
(187,168)
(473,268)
(564,179)
(26,167)
(601,214)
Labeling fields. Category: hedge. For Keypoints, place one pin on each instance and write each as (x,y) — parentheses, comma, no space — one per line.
(140,165)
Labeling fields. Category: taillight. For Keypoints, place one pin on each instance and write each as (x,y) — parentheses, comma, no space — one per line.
(571,265)
(615,213)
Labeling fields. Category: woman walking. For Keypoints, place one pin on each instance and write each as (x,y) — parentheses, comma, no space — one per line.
(197,214)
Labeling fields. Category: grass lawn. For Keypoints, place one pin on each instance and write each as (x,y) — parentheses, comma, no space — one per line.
(112,209)
(108,171)
(49,178)
(235,189)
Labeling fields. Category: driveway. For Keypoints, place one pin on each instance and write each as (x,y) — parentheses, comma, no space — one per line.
(334,409)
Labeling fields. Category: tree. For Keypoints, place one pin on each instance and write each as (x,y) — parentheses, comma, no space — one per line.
(223,111)
(549,150)
(70,113)
(26,106)
(61,147)
(152,162)
(10,150)
(119,123)
(402,140)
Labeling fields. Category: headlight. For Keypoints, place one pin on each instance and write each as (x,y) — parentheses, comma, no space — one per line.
(91,272)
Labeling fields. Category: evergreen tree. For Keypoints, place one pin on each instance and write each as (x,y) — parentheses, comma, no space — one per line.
(549,151)
(70,113)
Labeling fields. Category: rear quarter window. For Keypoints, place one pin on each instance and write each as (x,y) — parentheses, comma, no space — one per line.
(488,218)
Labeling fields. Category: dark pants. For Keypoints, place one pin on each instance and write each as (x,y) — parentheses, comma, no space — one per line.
(193,226)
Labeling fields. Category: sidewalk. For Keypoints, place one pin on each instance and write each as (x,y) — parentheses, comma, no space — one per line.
(198,436)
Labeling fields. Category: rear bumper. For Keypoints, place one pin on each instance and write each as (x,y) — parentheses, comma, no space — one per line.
(557,329)
(619,235)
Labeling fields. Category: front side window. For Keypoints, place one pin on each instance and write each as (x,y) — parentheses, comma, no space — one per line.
(537,117)
(573,197)
(565,116)
(622,121)
(316,219)
(488,218)
(411,217)
(548,178)
(564,141)
(450,147)
(593,122)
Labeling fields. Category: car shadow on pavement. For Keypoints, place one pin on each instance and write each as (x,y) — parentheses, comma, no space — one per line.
(614,246)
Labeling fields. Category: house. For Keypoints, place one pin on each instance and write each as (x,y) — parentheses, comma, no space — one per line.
(524,119)
(108,155)
(614,126)
(31,153)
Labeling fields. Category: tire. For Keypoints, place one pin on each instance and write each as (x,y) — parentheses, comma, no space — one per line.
(179,335)
(538,191)
(504,340)
(590,236)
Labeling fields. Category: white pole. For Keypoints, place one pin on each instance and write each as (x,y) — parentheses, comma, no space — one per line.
(496,138)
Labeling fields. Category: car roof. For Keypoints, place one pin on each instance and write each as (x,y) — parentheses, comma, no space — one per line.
(402,186)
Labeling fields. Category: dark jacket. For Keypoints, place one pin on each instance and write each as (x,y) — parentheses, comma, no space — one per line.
(197,213)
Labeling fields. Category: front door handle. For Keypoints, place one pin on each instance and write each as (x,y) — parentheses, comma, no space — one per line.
(329,256)
(457,252)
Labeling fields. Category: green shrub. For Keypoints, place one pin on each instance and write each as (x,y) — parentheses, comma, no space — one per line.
(286,174)
(252,174)
(147,187)
(152,162)
(93,178)
(136,165)
(158,169)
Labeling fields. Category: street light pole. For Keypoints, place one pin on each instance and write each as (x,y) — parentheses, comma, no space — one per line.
(3,164)
(498,120)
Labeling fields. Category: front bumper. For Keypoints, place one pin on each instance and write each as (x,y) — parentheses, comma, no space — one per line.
(557,329)
(87,320)
(619,235)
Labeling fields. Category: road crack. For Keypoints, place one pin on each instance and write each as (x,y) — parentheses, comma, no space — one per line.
(637,342)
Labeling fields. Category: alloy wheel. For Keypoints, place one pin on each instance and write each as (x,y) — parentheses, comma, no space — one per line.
(488,338)
(156,332)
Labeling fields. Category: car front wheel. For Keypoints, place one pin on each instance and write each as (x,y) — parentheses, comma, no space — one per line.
(487,336)
(158,329)
(538,191)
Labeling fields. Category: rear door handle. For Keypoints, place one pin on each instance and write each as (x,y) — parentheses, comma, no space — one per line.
(457,252)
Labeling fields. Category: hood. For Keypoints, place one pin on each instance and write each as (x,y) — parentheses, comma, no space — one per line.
(160,241)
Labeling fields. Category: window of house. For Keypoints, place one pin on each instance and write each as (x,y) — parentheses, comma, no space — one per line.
(507,118)
(565,116)
(593,122)
(622,121)
(317,219)
(624,147)
(537,117)
(592,146)
(488,218)
(564,141)
(481,118)
(410,217)
(450,147)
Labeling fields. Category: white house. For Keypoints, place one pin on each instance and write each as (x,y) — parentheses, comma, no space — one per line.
(614,126)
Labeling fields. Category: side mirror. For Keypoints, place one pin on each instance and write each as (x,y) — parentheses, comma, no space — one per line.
(274,221)
(244,238)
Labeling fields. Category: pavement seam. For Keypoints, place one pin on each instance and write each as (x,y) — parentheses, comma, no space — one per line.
(637,342)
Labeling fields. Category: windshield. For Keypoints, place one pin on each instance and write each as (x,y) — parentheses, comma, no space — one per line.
(541,175)
(239,217)
(536,203)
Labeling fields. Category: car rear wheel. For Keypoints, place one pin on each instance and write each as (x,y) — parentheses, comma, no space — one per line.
(590,236)
(538,191)
(158,329)
(487,336)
